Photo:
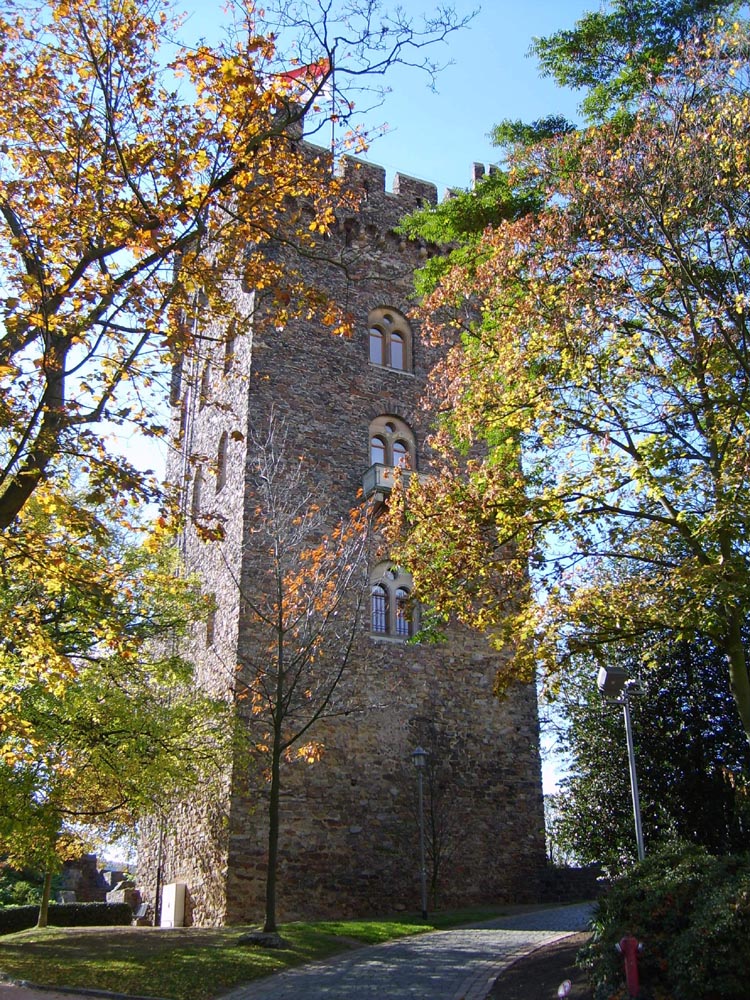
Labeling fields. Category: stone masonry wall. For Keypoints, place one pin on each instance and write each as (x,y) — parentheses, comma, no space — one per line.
(349,841)
(209,395)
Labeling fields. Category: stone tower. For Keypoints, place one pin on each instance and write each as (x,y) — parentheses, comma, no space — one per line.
(349,835)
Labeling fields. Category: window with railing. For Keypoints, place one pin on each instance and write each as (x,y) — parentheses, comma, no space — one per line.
(392,443)
(392,446)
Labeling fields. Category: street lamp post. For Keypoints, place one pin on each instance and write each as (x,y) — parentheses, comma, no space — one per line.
(616,687)
(419,759)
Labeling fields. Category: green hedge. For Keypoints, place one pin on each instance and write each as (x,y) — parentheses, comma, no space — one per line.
(691,910)
(20,918)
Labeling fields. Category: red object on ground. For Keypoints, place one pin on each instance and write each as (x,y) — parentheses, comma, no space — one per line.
(629,948)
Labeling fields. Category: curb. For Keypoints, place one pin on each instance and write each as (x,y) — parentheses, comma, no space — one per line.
(75,990)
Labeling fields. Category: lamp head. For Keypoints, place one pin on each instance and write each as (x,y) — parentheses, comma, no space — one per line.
(611,681)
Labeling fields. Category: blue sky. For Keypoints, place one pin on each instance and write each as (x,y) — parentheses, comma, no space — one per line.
(437,136)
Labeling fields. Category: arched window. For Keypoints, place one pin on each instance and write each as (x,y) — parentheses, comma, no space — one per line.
(377,346)
(197,490)
(377,451)
(221,462)
(398,355)
(379,609)
(392,443)
(390,339)
(391,607)
(205,387)
(400,454)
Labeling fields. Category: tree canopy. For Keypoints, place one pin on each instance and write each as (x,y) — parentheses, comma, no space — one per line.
(596,408)
(100,720)
(615,53)
(139,179)
(133,171)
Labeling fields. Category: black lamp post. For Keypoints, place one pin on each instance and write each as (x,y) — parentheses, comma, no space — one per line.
(419,759)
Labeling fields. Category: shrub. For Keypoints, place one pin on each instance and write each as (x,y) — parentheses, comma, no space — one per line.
(18,889)
(17,918)
(691,910)
(20,918)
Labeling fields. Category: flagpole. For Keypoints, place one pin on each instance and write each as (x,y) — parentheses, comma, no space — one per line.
(333,117)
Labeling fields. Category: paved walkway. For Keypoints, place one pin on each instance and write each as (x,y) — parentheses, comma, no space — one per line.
(460,964)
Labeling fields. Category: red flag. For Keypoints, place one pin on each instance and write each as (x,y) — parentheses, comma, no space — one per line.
(314,70)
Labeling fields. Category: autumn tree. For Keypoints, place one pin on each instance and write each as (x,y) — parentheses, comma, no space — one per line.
(131,171)
(99,717)
(595,411)
(303,607)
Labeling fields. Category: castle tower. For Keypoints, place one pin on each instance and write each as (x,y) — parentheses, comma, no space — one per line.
(353,407)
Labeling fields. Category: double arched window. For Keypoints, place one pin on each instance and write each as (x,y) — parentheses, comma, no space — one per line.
(392,443)
(390,340)
(390,602)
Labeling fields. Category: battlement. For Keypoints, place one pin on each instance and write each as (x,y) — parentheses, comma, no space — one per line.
(370,177)
(478,173)
(412,187)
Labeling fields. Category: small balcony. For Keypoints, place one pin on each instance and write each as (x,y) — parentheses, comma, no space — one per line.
(378,481)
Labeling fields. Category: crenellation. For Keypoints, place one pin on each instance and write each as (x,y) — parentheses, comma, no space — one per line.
(409,193)
(418,192)
(363,176)
(478,173)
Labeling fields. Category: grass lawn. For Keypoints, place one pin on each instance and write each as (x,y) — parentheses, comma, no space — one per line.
(190,963)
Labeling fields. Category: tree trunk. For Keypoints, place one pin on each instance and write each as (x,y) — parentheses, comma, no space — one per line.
(739,678)
(273,838)
(44,905)
(34,464)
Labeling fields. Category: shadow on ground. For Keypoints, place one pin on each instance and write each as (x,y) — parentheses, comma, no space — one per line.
(538,975)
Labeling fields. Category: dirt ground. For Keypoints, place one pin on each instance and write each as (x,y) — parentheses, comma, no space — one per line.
(539,975)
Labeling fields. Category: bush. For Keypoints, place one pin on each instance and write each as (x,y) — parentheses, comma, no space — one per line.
(20,918)
(17,918)
(19,888)
(691,910)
